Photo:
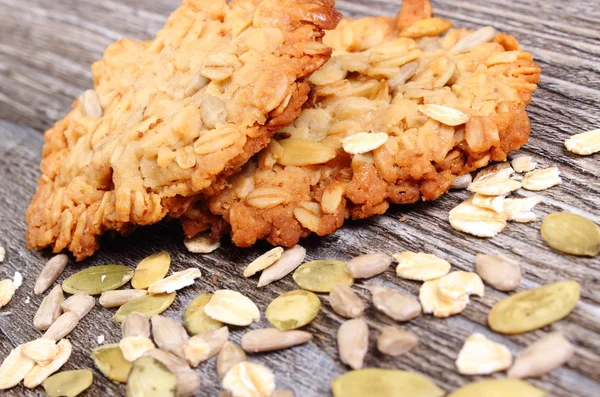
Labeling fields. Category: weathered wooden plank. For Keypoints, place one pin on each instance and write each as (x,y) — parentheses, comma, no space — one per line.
(45,62)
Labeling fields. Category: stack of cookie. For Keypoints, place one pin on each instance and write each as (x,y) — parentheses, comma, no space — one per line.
(267,119)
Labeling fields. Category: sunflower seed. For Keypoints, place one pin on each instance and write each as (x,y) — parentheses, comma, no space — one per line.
(51,271)
(136,324)
(353,342)
(62,326)
(168,334)
(91,104)
(50,309)
(289,261)
(230,355)
(500,272)
(80,304)
(270,339)
(175,281)
(547,353)
(345,302)
(480,36)
(263,261)
(119,297)
(201,244)
(369,265)
(394,341)
(461,182)
(395,304)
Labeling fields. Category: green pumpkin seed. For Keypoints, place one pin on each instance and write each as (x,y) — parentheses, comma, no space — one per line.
(293,309)
(68,383)
(150,378)
(572,234)
(150,270)
(534,308)
(499,388)
(147,305)
(194,319)
(321,276)
(375,382)
(97,279)
(110,361)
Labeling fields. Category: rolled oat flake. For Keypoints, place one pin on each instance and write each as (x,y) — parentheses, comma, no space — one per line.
(292,310)
(97,279)
(150,378)
(571,233)
(321,276)
(534,308)
(375,382)
(68,383)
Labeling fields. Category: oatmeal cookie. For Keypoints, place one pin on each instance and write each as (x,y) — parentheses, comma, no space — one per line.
(403,106)
(174,117)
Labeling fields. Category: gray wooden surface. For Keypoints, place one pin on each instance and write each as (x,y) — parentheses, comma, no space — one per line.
(46,47)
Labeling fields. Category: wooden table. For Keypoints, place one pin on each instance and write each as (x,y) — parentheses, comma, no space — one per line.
(46,48)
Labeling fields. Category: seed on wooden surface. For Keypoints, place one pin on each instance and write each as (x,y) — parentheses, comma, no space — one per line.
(194,318)
(534,308)
(40,350)
(363,142)
(287,263)
(461,182)
(175,281)
(50,272)
(147,305)
(7,290)
(547,353)
(480,36)
(134,347)
(201,244)
(205,346)
(188,381)
(270,339)
(481,356)
(377,382)
(168,334)
(249,379)
(496,171)
(444,114)
(395,304)
(420,266)
(230,355)
(119,297)
(80,304)
(541,179)
(369,265)
(39,373)
(68,383)
(231,307)
(321,276)
(90,103)
(150,270)
(62,326)
(292,310)
(136,324)
(523,164)
(353,342)
(98,279)
(150,378)
(2,253)
(498,388)
(571,233)
(480,222)
(500,272)
(110,361)
(394,341)
(263,261)
(585,143)
(440,305)
(345,302)
(460,283)
(49,309)
(14,368)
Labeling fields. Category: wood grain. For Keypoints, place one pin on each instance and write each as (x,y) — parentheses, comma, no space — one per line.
(45,53)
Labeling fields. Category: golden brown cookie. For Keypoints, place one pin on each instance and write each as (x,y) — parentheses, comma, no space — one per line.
(397,114)
(173,117)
